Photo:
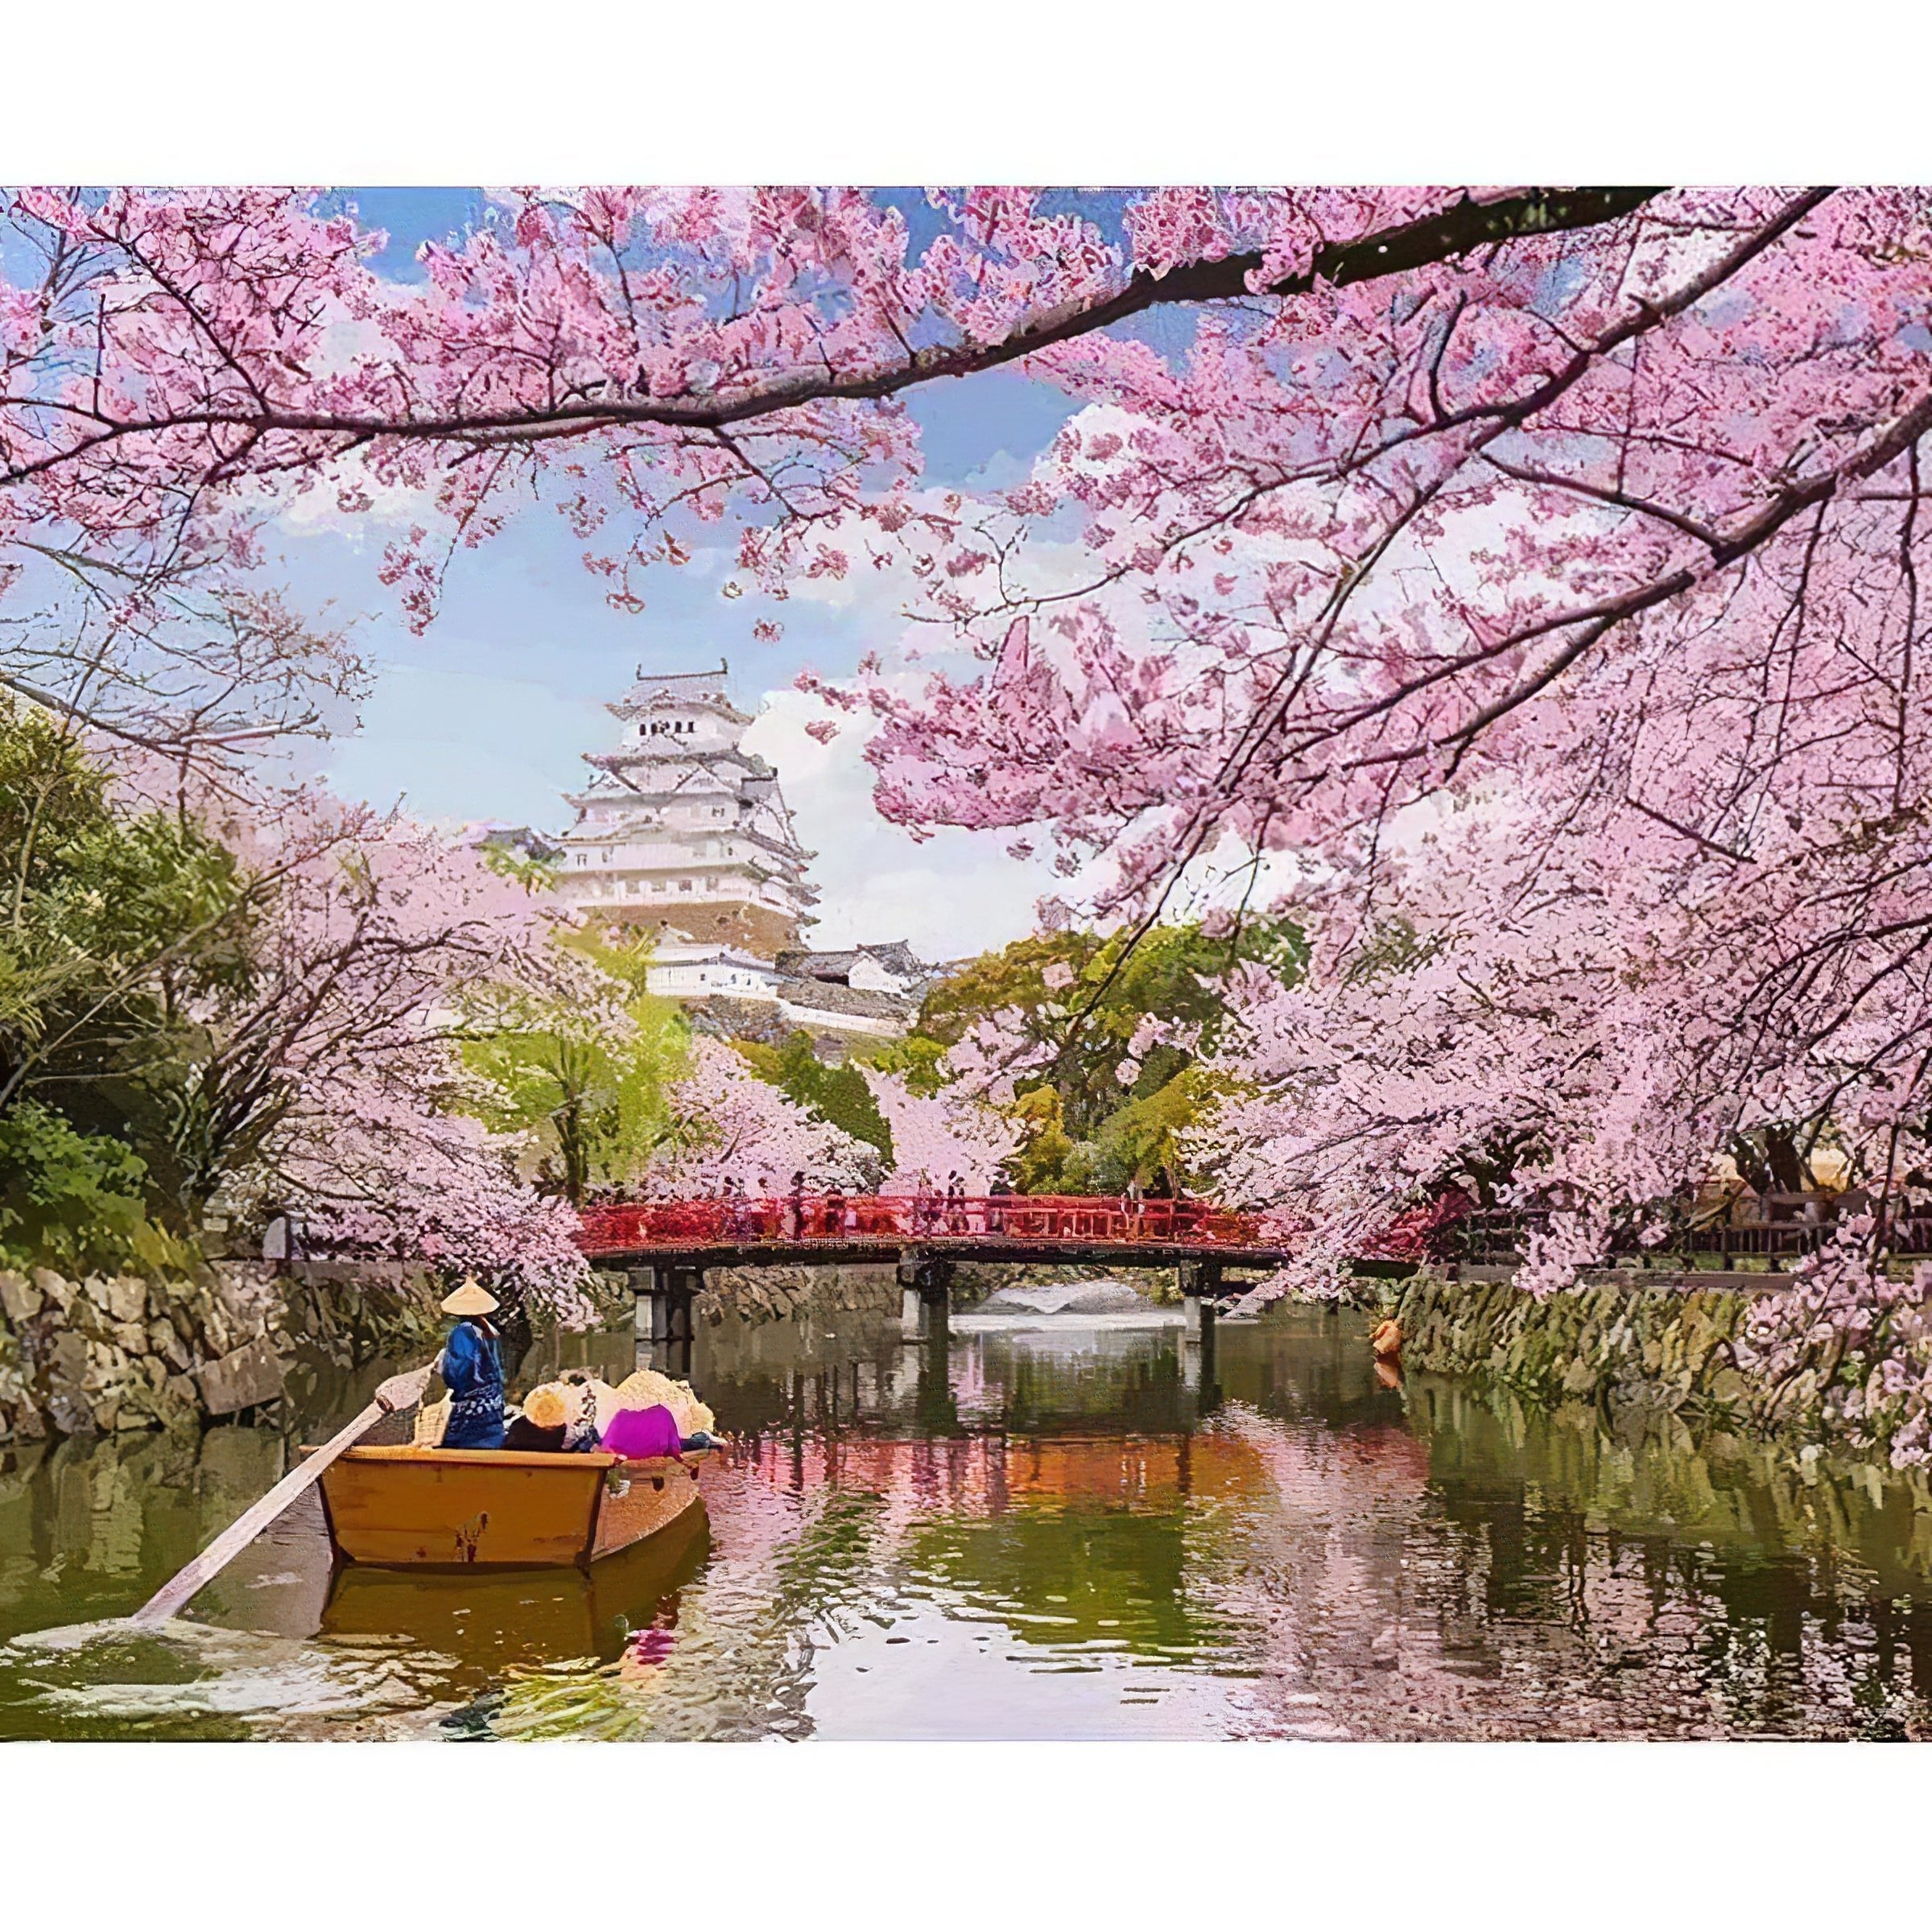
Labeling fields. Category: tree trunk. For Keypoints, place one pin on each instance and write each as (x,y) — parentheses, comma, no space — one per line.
(1785,1164)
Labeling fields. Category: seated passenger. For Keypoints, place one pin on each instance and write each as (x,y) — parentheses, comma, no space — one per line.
(638,1434)
(544,1423)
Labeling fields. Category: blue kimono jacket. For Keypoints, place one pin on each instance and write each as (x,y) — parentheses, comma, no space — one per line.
(472,1372)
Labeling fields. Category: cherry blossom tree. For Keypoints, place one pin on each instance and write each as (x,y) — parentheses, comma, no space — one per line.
(1590,517)
(729,1124)
(383,1159)
(175,362)
(935,1136)
(324,1073)
(374,926)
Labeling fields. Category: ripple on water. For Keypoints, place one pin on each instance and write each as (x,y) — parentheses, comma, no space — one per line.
(189,1680)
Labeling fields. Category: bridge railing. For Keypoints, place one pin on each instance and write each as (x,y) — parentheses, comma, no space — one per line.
(789,1220)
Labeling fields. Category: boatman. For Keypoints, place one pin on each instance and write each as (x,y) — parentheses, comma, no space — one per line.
(471,1369)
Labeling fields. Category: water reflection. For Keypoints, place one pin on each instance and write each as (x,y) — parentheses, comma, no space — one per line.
(1090,1529)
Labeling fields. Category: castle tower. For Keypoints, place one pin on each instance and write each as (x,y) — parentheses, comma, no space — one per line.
(680,832)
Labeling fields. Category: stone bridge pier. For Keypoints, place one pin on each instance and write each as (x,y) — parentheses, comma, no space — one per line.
(1201,1287)
(665,1315)
(925,1296)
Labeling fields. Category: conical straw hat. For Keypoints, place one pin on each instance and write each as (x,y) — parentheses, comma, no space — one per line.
(471,1298)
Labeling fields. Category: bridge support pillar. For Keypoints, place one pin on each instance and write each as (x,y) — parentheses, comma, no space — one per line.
(1200,1282)
(1198,1375)
(926,1298)
(664,1315)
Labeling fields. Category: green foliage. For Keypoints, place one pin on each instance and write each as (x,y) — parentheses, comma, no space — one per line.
(1046,1161)
(1145,1134)
(917,1060)
(838,1094)
(118,927)
(74,1200)
(1394,948)
(586,1079)
(1083,996)
(532,873)
(1174,973)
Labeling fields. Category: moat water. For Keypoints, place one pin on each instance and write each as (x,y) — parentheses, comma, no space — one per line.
(1076,1528)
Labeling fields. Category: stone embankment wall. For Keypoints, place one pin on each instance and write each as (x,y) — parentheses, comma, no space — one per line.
(109,1353)
(1617,1340)
(773,1293)
(117,1352)
(770,1295)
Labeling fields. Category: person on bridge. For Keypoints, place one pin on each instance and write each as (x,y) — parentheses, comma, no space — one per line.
(996,1212)
(472,1368)
(795,1208)
(835,1210)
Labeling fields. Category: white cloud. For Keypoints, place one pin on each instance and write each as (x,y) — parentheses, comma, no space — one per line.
(955,893)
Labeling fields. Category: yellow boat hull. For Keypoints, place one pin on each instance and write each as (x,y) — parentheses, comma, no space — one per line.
(498,1508)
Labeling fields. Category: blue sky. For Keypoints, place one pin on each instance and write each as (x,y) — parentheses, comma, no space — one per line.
(486,716)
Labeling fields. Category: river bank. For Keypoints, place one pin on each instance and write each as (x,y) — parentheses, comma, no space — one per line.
(1624,1345)
(100,1354)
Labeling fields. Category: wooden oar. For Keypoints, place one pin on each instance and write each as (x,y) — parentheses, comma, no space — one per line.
(400,1392)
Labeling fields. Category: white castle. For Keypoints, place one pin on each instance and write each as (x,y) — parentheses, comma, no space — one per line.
(683,834)
(680,831)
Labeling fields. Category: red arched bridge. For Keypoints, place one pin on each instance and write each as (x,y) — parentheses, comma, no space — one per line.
(666,1245)
(858,1228)
(926,1233)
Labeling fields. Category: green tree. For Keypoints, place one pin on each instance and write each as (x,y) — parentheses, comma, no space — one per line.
(120,928)
(582,1068)
(1084,997)
(837,1095)
(77,1200)
(1046,1162)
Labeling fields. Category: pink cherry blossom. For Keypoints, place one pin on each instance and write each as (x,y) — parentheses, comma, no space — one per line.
(935,1136)
(729,1124)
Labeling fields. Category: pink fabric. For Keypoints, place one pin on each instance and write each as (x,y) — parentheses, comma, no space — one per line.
(635,1433)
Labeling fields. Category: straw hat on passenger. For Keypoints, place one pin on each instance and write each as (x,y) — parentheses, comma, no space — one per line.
(471,1298)
(545,1407)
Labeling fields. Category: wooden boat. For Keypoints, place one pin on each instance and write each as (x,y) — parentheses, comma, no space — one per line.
(485,1622)
(498,1508)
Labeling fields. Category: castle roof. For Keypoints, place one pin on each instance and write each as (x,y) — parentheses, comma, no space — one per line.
(661,690)
(895,955)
